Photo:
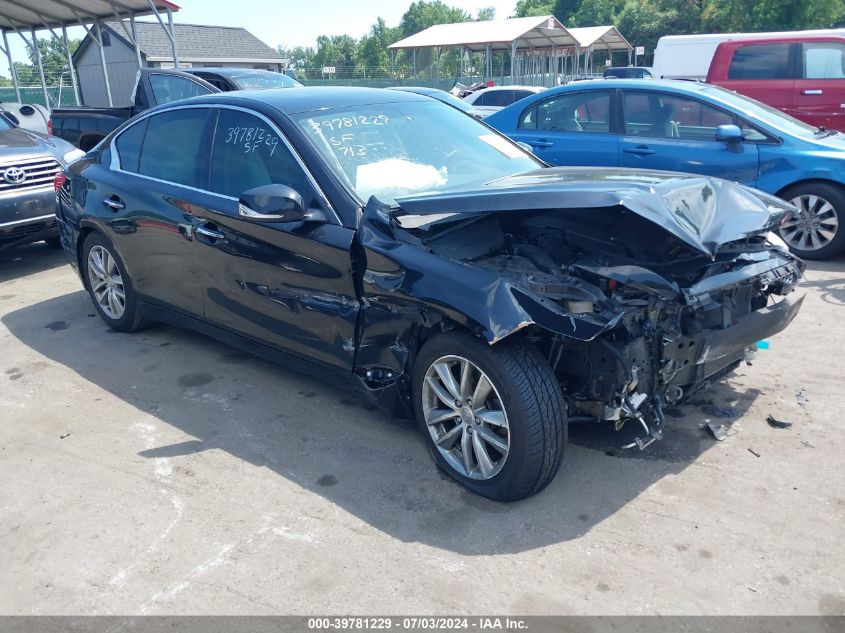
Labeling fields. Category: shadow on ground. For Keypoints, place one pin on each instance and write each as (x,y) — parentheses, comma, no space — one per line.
(30,259)
(328,442)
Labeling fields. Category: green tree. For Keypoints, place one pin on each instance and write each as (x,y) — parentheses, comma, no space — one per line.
(487,13)
(372,53)
(527,8)
(53,59)
(423,14)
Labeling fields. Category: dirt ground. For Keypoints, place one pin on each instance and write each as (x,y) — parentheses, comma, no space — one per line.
(164,473)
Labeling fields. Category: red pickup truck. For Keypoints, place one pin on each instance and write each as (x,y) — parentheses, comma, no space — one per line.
(802,76)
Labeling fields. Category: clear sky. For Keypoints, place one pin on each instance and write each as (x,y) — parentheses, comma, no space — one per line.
(291,22)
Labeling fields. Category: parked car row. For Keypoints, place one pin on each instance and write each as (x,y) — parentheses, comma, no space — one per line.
(385,240)
(695,128)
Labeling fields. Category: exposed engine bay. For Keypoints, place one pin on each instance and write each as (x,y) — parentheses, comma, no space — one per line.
(652,319)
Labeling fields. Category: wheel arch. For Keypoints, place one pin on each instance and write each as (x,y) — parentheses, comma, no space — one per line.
(810,181)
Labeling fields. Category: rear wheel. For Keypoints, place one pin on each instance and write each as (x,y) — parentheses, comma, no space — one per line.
(816,230)
(494,418)
(109,285)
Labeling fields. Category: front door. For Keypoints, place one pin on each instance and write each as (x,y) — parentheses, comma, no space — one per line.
(289,285)
(677,133)
(571,128)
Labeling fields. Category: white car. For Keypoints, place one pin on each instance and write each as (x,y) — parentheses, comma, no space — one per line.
(490,100)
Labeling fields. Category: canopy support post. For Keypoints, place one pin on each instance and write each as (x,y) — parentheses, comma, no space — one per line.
(70,66)
(135,40)
(513,59)
(103,62)
(37,53)
(8,52)
(413,60)
(172,38)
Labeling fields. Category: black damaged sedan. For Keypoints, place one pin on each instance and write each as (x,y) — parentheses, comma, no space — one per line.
(387,240)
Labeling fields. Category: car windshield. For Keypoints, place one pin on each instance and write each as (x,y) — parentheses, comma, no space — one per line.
(264,81)
(763,113)
(390,150)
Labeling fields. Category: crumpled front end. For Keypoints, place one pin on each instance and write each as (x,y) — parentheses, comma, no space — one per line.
(631,313)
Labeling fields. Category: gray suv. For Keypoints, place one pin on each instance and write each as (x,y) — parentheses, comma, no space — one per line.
(29,162)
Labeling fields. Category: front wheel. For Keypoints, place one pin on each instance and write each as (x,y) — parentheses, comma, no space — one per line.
(494,417)
(816,230)
(109,285)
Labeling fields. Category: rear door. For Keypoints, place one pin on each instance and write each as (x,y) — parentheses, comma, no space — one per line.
(571,128)
(147,198)
(677,133)
(288,285)
(765,72)
(820,88)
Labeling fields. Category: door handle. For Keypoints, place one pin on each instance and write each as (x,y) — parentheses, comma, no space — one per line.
(209,233)
(114,203)
(812,92)
(640,150)
(541,143)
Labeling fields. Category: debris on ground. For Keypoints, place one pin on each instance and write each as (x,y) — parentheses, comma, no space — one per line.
(719,433)
(61,437)
(801,396)
(778,424)
(807,444)
(753,452)
(720,412)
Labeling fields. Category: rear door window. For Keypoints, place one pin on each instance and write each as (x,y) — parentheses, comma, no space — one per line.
(570,112)
(175,148)
(761,61)
(823,60)
(167,88)
(128,145)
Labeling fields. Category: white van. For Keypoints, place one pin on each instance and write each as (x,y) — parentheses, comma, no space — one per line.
(689,56)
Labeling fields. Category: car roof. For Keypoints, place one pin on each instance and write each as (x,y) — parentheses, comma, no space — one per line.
(229,72)
(310,98)
(422,90)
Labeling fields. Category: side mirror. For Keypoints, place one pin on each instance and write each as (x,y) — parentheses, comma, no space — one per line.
(276,203)
(729,134)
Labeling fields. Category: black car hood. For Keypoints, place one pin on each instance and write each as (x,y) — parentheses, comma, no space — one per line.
(700,211)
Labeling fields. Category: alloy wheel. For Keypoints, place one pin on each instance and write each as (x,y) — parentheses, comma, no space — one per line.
(465,417)
(813,226)
(106,282)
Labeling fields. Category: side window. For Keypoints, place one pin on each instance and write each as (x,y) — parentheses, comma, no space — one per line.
(167,88)
(248,153)
(760,61)
(824,60)
(665,116)
(587,111)
(129,146)
(521,94)
(175,148)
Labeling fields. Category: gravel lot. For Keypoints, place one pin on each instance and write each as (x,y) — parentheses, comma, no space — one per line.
(165,473)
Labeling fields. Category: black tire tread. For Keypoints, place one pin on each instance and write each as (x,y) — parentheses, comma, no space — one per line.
(535,388)
(137,321)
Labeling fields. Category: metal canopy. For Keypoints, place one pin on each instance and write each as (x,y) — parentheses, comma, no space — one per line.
(17,15)
(600,38)
(530,32)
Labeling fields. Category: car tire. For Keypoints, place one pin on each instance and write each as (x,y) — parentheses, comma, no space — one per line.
(520,458)
(109,285)
(54,242)
(821,209)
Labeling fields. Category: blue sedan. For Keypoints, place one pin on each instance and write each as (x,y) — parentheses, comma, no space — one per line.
(696,128)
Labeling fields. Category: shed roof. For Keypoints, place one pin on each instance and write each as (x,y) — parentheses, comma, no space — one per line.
(39,14)
(196,42)
(535,31)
